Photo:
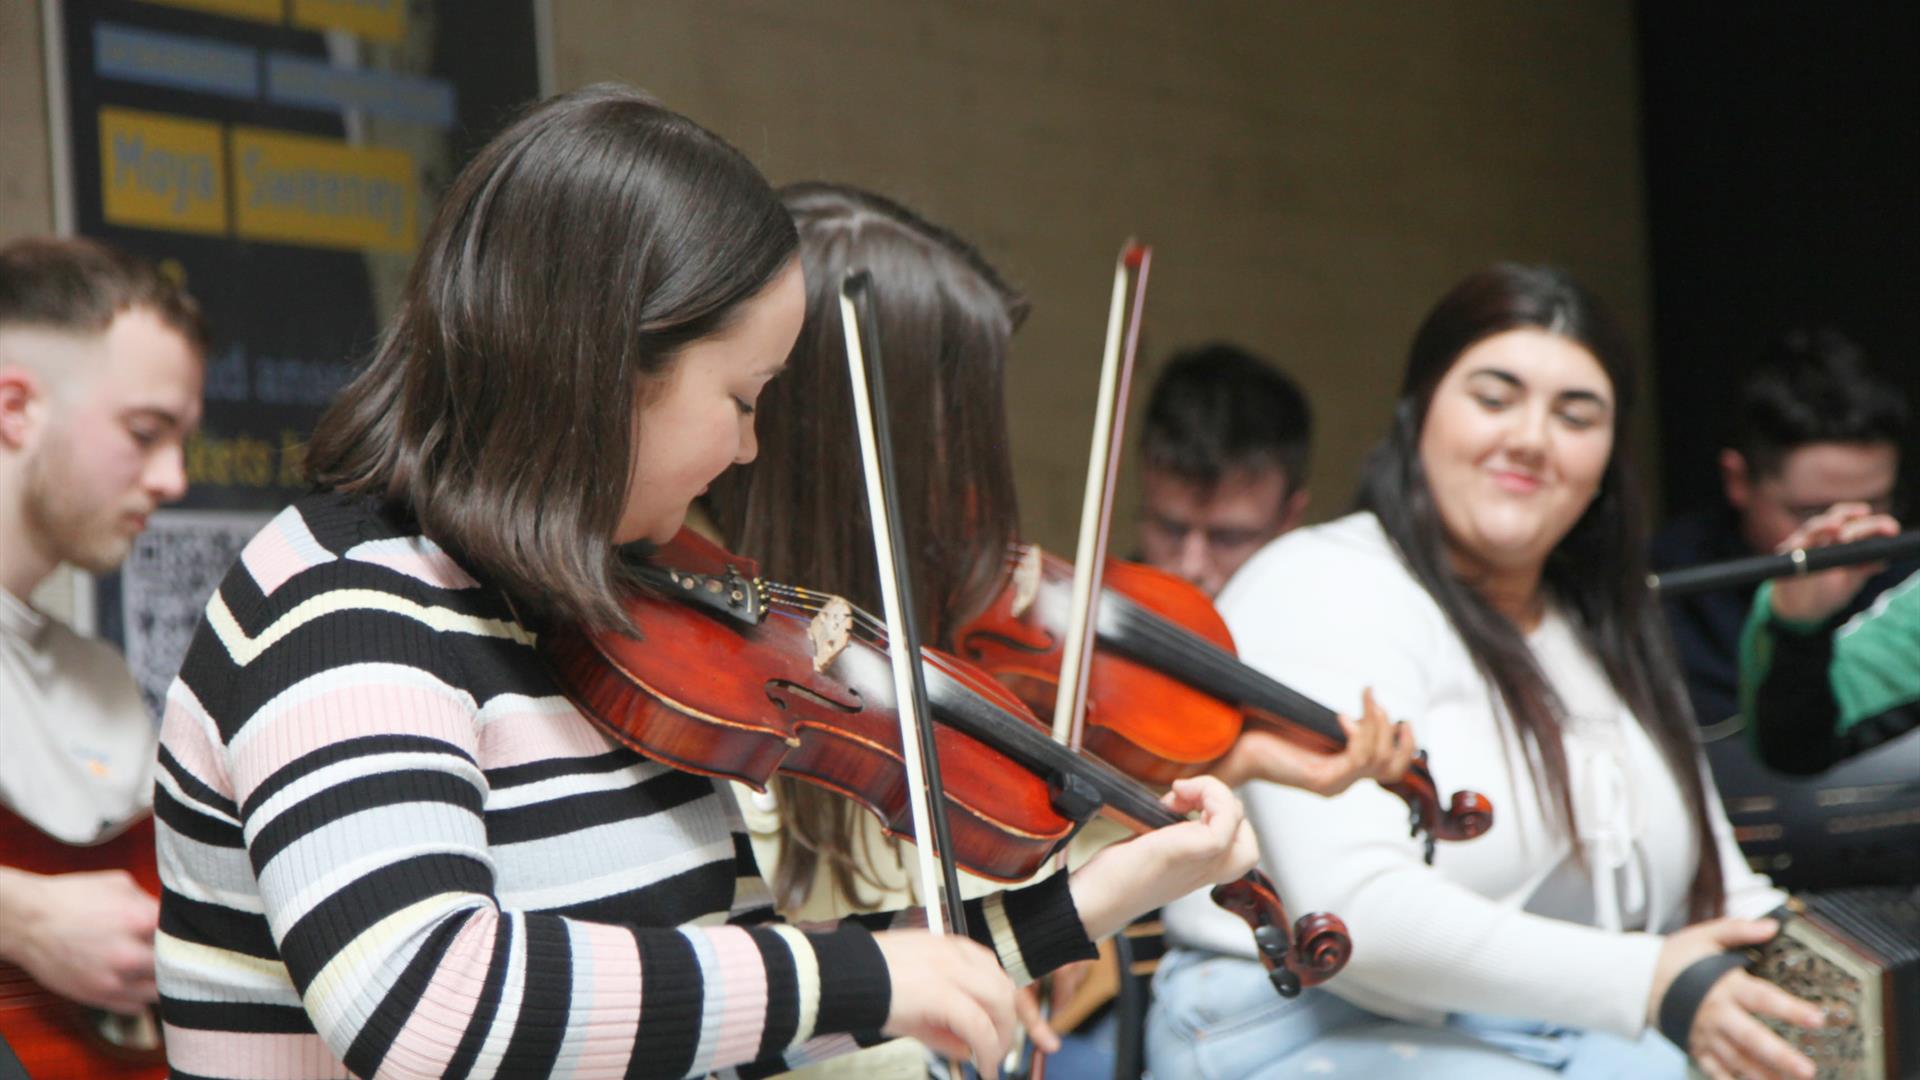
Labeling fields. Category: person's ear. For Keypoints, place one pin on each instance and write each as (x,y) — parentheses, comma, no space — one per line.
(23,406)
(1736,478)
(1294,511)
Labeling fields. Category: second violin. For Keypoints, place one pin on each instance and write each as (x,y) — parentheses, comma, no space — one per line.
(1168,696)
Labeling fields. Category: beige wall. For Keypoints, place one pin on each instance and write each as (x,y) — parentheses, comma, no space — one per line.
(1312,175)
(26,189)
(26,192)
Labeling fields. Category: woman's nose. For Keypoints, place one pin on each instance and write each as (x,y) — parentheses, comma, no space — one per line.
(1527,436)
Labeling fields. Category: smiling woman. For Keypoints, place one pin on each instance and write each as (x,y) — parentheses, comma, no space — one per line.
(1490,589)
(1517,441)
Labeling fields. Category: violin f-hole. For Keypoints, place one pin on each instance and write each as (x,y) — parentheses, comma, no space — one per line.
(972,645)
(776,688)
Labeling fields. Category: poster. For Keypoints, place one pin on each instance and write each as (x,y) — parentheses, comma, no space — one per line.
(282,157)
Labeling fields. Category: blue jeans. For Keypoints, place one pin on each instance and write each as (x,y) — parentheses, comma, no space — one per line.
(1217,1018)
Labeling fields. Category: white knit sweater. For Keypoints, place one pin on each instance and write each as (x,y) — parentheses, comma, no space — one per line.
(1509,923)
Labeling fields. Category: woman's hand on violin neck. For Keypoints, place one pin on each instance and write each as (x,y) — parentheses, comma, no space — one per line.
(1377,749)
(1726,1040)
(1129,879)
(950,993)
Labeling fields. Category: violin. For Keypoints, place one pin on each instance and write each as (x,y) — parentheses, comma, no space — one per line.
(737,677)
(1167,695)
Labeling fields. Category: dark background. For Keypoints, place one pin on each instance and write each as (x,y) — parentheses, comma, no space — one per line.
(1780,190)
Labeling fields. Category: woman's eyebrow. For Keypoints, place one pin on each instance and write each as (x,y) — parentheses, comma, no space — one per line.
(1577,394)
(1585,395)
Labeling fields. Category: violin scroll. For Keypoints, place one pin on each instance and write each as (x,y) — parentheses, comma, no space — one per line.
(1321,946)
(1468,814)
(1308,953)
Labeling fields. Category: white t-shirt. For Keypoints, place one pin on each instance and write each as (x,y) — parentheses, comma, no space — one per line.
(76,742)
(1509,923)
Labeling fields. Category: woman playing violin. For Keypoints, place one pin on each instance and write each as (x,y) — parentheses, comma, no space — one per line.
(947,318)
(1492,585)
(389,844)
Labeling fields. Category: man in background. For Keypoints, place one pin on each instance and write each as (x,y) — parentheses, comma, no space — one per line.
(1224,454)
(1813,426)
(101,364)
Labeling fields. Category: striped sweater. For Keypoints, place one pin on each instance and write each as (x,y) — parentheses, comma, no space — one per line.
(390,847)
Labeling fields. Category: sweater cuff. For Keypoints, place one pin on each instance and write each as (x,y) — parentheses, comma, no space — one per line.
(1033,930)
(1793,628)
(856,993)
(1635,956)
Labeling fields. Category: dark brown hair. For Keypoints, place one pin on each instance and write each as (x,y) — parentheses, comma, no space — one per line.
(79,285)
(1597,571)
(946,319)
(1813,385)
(1219,407)
(569,261)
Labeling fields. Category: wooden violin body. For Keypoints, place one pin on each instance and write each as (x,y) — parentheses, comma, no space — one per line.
(736,677)
(54,1037)
(1168,697)
(705,713)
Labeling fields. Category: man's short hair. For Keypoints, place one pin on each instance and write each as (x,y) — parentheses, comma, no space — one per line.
(1217,408)
(76,285)
(1813,385)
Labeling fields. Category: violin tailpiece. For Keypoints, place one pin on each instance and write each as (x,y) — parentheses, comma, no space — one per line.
(732,594)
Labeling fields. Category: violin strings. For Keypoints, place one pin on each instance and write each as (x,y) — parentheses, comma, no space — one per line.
(813,603)
(1159,634)
(1221,668)
(1132,798)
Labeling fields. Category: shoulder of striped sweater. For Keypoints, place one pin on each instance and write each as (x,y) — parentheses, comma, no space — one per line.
(348,534)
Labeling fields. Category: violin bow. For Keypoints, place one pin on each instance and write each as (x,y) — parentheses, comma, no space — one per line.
(1096,508)
(939,885)
(1096,517)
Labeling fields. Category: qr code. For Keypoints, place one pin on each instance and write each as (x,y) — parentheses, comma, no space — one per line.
(174,567)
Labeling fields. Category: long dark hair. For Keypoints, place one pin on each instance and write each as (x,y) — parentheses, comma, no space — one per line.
(571,258)
(946,319)
(1597,571)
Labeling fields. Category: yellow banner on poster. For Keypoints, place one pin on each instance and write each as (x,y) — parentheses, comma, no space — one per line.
(380,20)
(161,172)
(258,10)
(299,189)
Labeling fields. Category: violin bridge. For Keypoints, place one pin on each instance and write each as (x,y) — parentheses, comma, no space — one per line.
(829,632)
(1026,580)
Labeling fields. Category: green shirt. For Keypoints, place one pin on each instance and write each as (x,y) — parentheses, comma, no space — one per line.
(1817,693)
